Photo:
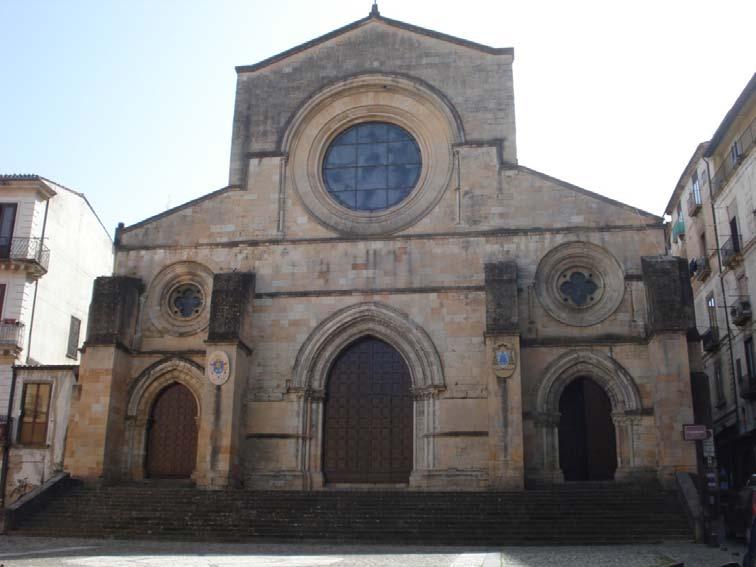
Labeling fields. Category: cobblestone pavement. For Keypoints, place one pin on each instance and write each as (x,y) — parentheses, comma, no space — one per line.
(47,552)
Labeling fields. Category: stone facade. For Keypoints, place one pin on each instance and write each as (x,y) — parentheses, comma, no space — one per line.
(462,278)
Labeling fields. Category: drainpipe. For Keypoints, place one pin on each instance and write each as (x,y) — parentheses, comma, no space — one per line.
(724,302)
(36,286)
(8,435)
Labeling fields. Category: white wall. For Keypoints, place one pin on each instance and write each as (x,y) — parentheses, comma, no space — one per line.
(80,250)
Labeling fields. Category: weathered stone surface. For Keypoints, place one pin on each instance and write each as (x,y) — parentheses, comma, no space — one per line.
(501,297)
(113,311)
(670,296)
(230,306)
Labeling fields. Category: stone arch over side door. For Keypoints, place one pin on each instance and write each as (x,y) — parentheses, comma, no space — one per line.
(623,394)
(318,353)
(141,397)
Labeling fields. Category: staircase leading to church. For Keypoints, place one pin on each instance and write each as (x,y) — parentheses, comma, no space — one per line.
(591,514)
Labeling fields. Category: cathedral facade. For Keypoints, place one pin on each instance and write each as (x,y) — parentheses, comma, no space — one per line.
(382,295)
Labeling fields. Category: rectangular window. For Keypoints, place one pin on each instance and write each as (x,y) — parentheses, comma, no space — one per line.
(704,251)
(2,299)
(734,233)
(718,383)
(735,153)
(696,188)
(749,358)
(34,414)
(711,308)
(7,221)
(73,338)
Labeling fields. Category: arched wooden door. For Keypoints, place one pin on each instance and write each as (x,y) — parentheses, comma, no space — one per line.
(172,434)
(367,436)
(587,443)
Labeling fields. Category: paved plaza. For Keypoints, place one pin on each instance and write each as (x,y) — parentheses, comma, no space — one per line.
(45,552)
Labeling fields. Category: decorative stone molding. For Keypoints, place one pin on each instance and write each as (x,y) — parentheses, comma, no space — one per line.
(605,371)
(368,98)
(144,390)
(316,357)
(580,260)
(142,394)
(326,342)
(157,306)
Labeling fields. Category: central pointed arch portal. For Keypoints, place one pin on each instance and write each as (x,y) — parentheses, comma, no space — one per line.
(403,358)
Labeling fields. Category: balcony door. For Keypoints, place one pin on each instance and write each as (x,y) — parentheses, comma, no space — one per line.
(7,220)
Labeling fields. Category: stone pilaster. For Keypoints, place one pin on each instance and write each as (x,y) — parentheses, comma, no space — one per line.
(506,464)
(221,413)
(671,321)
(95,444)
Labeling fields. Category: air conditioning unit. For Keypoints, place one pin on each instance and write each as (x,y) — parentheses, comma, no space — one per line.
(741,312)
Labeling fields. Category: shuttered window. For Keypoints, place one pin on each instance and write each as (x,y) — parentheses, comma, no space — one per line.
(73,338)
(34,414)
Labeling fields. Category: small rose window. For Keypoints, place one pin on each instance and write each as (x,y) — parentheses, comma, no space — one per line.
(186,301)
(578,288)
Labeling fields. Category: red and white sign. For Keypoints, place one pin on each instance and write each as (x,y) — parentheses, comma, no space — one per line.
(695,432)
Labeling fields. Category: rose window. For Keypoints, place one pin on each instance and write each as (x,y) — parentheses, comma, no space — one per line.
(371,166)
(186,301)
(578,288)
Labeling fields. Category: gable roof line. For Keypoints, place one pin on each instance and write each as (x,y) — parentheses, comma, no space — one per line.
(683,181)
(592,194)
(48,182)
(177,208)
(358,23)
(731,115)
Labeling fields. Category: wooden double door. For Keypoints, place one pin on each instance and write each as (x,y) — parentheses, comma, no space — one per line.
(172,434)
(587,444)
(367,434)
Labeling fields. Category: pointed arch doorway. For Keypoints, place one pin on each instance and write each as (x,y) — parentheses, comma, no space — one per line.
(587,442)
(172,434)
(368,426)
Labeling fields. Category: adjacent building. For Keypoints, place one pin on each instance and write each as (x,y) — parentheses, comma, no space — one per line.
(713,225)
(384,295)
(52,246)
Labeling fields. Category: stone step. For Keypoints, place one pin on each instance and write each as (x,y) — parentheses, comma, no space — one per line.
(606,515)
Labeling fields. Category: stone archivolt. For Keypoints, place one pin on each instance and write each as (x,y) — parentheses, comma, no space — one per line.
(368,98)
(344,327)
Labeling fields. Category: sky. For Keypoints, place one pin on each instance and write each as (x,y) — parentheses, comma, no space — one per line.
(131,102)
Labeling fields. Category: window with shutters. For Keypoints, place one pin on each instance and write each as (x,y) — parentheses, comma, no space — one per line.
(73,338)
(34,414)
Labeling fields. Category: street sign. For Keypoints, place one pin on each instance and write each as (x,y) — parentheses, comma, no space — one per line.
(708,448)
(695,432)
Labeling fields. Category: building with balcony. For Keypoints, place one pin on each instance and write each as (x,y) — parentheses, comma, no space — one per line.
(52,246)
(718,188)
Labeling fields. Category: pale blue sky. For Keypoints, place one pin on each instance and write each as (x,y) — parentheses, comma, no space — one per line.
(131,102)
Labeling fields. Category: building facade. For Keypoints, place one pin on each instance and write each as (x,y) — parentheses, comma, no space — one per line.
(52,246)
(382,294)
(713,210)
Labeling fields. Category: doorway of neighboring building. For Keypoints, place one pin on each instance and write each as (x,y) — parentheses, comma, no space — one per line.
(367,434)
(587,444)
(172,434)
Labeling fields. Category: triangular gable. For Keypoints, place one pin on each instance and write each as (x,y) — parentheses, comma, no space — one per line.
(374,17)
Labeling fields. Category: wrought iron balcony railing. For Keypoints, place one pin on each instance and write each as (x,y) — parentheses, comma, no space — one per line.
(694,203)
(735,157)
(731,251)
(12,335)
(699,268)
(710,339)
(25,250)
(678,229)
